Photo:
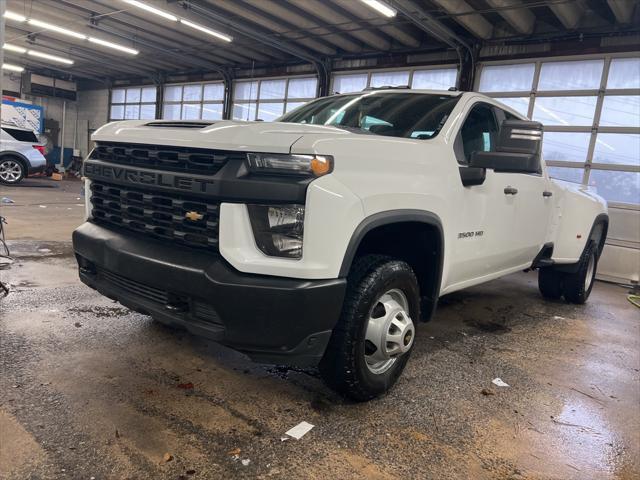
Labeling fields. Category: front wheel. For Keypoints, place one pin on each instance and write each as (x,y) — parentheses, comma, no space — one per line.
(11,171)
(373,339)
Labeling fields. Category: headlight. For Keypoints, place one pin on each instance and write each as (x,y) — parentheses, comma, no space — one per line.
(278,229)
(306,165)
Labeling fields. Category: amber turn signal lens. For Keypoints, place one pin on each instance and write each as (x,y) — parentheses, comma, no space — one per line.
(320,166)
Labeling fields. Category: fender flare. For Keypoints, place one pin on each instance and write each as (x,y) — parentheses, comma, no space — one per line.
(389,217)
(601,218)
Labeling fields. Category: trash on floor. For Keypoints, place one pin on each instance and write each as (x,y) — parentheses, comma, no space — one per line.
(246,462)
(299,430)
(557,317)
(499,382)
(7,200)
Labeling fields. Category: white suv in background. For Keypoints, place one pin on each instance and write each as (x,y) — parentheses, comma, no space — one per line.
(21,154)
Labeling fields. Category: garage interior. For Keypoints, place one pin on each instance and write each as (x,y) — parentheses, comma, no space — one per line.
(90,389)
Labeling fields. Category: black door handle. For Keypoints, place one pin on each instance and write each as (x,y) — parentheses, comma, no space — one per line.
(547,193)
(510,191)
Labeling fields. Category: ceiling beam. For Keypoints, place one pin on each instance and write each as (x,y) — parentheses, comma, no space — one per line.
(516,14)
(304,23)
(428,24)
(569,13)
(401,34)
(475,23)
(622,9)
(200,8)
(250,15)
(321,9)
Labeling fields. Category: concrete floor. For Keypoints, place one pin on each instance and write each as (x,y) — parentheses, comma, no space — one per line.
(90,390)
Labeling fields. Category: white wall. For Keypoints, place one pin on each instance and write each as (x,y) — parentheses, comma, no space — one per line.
(93,112)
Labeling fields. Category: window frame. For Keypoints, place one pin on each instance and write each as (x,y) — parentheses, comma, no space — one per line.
(285,100)
(411,70)
(139,103)
(594,129)
(201,103)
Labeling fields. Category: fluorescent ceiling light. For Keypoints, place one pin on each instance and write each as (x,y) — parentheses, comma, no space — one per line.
(14,48)
(12,68)
(151,9)
(14,16)
(53,58)
(380,7)
(55,28)
(115,46)
(219,35)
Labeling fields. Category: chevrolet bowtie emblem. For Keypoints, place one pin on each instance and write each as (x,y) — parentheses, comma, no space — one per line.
(193,216)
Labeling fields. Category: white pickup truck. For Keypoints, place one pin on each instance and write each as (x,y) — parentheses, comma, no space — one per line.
(324,238)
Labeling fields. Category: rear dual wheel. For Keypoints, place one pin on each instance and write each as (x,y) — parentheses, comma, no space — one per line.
(575,287)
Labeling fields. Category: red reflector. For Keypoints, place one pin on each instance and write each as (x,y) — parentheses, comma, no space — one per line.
(40,148)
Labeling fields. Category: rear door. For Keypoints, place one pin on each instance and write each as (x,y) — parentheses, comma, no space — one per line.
(533,207)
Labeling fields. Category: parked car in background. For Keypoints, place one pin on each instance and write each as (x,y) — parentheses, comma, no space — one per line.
(21,154)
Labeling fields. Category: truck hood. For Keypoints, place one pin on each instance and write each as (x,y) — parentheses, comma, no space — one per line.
(222,135)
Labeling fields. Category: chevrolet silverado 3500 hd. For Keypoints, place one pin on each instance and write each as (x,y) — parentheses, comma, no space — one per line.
(325,237)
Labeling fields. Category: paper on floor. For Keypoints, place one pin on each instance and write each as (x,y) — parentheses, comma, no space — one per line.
(499,382)
(299,430)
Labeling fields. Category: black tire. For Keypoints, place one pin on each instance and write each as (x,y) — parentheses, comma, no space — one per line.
(14,165)
(550,283)
(577,286)
(343,366)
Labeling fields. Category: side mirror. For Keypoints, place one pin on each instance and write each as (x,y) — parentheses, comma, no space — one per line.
(518,149)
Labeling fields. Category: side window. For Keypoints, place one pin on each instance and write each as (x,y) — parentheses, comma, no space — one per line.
(479,131)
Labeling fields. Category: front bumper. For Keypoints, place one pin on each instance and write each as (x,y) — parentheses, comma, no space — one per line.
(271,319)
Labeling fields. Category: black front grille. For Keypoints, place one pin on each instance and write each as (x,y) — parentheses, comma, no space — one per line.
(172,217)
(175,159)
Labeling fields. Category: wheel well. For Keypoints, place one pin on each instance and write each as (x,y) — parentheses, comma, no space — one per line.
(417,243)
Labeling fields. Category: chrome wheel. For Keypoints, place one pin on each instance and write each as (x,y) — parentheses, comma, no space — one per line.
(10,171)
(588,279)
(390,331)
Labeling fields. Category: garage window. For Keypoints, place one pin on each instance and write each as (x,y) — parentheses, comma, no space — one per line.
(133,103)
(193,101)
(419,78)
(591,112)
(268,99)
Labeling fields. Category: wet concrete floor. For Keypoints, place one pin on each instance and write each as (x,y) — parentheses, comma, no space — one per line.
(91,390)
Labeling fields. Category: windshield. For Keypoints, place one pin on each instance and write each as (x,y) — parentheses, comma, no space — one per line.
(406,114)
